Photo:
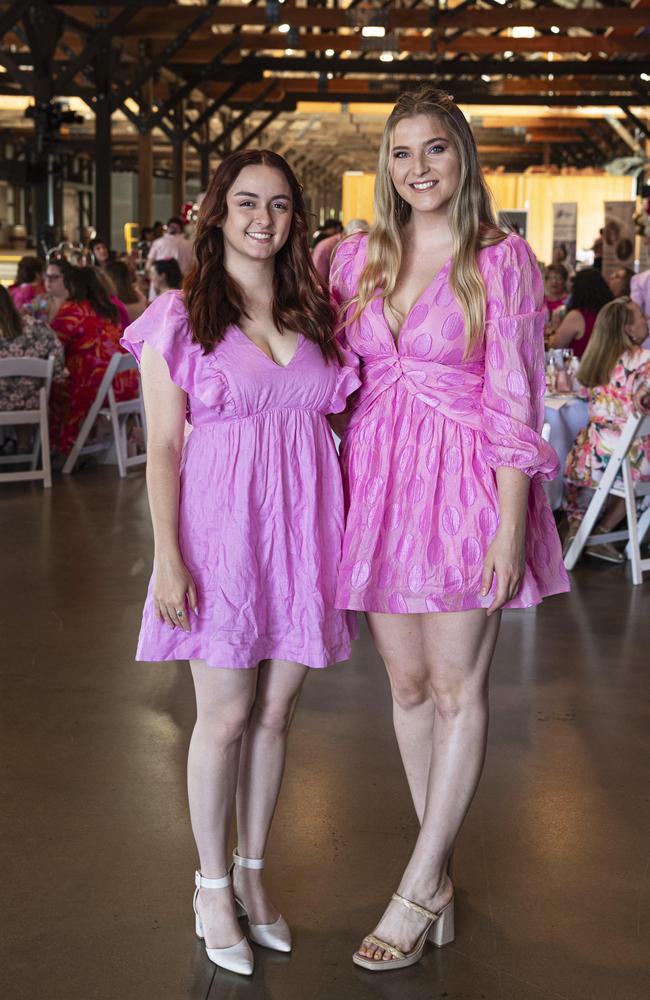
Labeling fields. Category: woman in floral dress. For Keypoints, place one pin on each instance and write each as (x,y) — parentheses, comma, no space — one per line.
(21,336)
(615,372)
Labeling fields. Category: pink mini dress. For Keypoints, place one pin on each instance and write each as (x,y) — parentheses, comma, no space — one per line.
(428,430)
(261,512)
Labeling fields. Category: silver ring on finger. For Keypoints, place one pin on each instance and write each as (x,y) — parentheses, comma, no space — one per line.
(180,613)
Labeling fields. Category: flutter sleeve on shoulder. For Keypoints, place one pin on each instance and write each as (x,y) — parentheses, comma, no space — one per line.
(343,273)
(165,326)
(347,381)
(514,384)
(344,269)
(347,263)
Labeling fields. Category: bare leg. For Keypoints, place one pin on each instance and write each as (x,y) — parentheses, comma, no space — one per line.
(261,769)
(223,704)
(414,721)
(453,672)
(614,513)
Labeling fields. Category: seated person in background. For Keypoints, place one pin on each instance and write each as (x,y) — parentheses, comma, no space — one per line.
(331,227)
(589,294)
(323,251)
(110,289)
(88,326)
(615,370)
(556,293)
(132,298)
(45,307)
(101,252)
(620,281)
(165,274)
(29,281)
(22,336)
(172,245)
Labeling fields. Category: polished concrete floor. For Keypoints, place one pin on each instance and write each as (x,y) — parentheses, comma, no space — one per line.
(98,859)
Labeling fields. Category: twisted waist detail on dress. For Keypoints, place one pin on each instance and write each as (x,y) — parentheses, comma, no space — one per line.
(454,393)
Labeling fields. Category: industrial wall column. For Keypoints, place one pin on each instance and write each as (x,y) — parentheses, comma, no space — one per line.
(103,145)
(178,159)
(145,158)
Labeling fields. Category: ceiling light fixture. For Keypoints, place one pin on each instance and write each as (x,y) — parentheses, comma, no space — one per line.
(386,57)
(523,32)
(372,31)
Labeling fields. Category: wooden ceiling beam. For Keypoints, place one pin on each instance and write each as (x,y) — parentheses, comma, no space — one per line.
(429,68)
(543,136)
(174,18)
(201,49)
(560,85)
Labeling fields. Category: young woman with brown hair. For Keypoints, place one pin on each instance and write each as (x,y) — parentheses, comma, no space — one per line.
(247,516)
(447,521)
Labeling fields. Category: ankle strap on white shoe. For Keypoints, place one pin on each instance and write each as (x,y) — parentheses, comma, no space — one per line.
(202,882)
(254,863)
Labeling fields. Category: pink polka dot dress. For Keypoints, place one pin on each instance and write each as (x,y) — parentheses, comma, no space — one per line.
(261,510)
(427,432)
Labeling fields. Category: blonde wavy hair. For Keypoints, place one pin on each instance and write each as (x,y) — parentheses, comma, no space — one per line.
(471,216)
(609,340)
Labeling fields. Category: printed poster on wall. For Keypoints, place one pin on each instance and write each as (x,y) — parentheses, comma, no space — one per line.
(618,236)
(565,233)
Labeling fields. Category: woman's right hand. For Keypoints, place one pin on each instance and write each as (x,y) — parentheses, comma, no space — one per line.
(174,593)
(641,401)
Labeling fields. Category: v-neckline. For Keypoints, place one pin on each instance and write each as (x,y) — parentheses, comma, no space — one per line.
(272,361)
(396,337)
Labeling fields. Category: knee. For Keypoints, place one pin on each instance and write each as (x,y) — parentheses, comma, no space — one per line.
(225,728)
(409,692)
(274,717)
(453,695)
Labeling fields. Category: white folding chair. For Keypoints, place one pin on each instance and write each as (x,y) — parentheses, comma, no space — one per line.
(29,368)
(636,528)
(105,405)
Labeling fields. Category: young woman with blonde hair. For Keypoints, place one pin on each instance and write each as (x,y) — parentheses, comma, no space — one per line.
(615,372)
(447,518)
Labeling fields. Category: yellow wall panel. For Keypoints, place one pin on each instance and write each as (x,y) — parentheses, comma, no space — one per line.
(534,192)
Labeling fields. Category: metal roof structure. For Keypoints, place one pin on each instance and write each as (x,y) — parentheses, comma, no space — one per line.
(172,84)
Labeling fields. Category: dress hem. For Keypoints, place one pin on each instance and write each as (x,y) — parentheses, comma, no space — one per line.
(467,602)
(314,661)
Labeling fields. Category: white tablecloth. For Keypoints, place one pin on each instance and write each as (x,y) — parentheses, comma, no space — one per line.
(566,415)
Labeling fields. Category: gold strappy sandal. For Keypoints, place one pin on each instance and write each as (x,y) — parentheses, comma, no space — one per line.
(439,930)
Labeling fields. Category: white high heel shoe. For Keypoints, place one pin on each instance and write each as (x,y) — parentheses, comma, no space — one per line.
(276,935)
(237,958)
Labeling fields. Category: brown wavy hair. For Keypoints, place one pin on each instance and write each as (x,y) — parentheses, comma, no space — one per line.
(84,285)
(213,298)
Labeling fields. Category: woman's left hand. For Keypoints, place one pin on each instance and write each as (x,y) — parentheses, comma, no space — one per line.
(505,557)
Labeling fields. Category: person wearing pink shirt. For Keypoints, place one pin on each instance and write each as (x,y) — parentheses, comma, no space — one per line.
(444,463)
(171,245)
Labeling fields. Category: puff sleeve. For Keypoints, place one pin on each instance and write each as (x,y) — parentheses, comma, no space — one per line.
(512,402)
(342,289)
(165,326)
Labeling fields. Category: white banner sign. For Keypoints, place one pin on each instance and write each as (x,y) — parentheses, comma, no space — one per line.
(565,229)
(618,236)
